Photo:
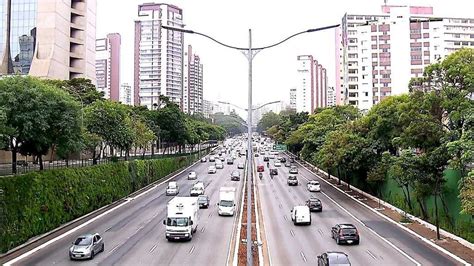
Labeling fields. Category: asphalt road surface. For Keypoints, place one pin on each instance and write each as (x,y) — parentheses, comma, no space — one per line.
(381,242)
(134,234)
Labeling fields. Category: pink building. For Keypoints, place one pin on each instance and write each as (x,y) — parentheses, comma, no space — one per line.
(108,66)
(311,92)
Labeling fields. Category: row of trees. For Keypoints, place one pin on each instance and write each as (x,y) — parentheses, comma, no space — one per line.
(410,138)
(70,117)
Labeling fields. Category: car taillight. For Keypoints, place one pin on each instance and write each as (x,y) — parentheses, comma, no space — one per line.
(340,233)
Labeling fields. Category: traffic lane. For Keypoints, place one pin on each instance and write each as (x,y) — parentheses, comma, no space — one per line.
(276,205)
(409,244)
(152,247)
(114,227)
(372,250)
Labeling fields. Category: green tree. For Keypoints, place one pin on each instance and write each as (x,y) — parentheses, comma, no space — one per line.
(467,194)
(142,135)
(80,88)
(267,121)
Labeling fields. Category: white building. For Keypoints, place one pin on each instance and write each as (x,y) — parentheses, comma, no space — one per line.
(377,55)
(305,87)
(192,83)
(126,94)
(331,94)
(158,55)
(292,99)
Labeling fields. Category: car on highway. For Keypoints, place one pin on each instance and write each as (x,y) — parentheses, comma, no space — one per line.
(266,159)
(282,160)
(334,258)
(230,160)
(262,153)
(301,215)
(292,159)
(314,204)
(240,166)
(197,189)
(203,201)
(235,176)
(86,247)
(277,164)
(192,175)
(212,159)
(256,154)
(219,164)
(222,159)
(314,186)
(345,233)
(292,180)
(172,189)
(260,168)
(203,159)
(212,169)
(273,171)
(287,164)
(293,170)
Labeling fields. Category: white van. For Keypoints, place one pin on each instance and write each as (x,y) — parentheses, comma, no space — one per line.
(301,215)
(172,189)
(226,201)
(182,216)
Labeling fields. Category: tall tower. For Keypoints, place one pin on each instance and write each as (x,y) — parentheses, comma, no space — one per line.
(158,66)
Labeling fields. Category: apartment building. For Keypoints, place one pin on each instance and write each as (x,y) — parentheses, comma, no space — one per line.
(192,83)
(377,55)
(311,90)
(48,39)
(107,66)
(126,94)
(158,66)
(292,105)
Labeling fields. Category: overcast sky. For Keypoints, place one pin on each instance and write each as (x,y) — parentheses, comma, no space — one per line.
(225,70)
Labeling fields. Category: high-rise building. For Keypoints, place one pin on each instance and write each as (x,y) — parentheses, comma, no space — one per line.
(158,66)
(192,85)
(377,55)
(331,93)
(126,94)
(207,108)
(311,92)
(47,38)
(107,66)
(292,99)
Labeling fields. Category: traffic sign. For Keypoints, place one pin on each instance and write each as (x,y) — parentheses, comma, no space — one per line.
(279,147)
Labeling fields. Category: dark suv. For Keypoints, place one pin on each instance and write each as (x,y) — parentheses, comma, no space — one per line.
(273,171)
(282,160)
(345,233)
(266,159)
(333,258)
(314,205)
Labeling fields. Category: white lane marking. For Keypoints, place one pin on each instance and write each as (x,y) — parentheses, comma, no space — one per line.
(115,248)
(286,218)
(303,256)
(320,231)
(127,200)
(375,233)
(191,250)
(202,229)
(371,254)
(152,248)
(292,232)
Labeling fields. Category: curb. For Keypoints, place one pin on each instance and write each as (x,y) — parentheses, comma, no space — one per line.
(257,223)
(237,239)
(40,240)
(425,240)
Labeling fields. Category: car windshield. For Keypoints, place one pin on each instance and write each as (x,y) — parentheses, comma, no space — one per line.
(226,203)
(177,222)
(349,231)
(202,198)
(338,259)
(292,177)
(83,241)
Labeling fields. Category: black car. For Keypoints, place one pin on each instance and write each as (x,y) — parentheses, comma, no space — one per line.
(235,176)
(273,171)
(287,164)
(333,258)
(292,159)
(345,233)
(203,201)
(266,159)
(314,205)
(283,160)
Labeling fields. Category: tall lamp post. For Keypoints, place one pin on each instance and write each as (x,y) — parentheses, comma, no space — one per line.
(249,53)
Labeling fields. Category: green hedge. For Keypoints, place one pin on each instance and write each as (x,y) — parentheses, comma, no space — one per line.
(37,202)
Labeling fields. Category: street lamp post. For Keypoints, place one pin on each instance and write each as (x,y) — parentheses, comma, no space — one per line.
(249,53)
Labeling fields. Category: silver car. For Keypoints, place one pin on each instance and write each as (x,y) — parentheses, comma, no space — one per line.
(86,247)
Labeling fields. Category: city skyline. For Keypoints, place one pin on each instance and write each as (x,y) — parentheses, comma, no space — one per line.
(233,29)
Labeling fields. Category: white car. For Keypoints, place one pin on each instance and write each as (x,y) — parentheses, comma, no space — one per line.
(277,164)
(192,175)
(197,189)
(212,169)
(172,189)
(314,186)
(219,165)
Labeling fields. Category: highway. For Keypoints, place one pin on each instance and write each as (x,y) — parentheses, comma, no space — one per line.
(134,234)
(381,242)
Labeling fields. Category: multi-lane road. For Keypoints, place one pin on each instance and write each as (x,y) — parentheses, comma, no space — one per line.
(381,242)
(134,233)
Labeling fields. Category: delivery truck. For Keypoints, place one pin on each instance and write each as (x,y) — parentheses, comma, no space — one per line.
(182,216)
(226,202)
